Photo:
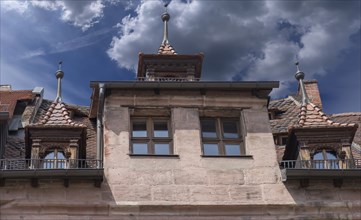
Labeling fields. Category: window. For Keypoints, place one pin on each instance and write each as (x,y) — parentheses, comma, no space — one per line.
(325,159)
(54,159)
(151,136)
(221,137)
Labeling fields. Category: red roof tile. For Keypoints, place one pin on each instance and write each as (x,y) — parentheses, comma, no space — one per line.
(166,49)
(57,115)
(8,99)
(311,116)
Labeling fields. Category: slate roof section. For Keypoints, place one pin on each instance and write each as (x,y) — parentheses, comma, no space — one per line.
(8,99)
(166,49)
(285,114)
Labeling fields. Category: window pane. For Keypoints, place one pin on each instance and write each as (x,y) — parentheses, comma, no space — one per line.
(318,156)
(139,129)
(318,160)
(210,149)
(331,155)
(162,149)
(140,148)
(209,128)
(332,160)
(230,129)
(233,149)
(161,129)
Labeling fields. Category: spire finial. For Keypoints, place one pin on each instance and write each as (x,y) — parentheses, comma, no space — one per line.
(300,76)
(59,75)
(60,63)
(165,18)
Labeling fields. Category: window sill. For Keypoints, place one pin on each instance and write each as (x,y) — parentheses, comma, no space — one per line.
(155,155)
(229,156)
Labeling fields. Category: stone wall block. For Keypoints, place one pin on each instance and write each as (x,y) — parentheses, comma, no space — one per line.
(190,177)
(137,193)
(171,193)
(215,194)
(225,177)
(262,175)
(246,194)
(277,194)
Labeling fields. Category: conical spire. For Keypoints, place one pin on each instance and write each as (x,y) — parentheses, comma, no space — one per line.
(59,75)
(165,47)
(300,76)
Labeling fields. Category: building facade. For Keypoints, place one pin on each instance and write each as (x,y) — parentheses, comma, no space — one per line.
(171,146)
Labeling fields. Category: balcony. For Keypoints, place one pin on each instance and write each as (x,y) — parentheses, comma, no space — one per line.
(336,170)
(65,169)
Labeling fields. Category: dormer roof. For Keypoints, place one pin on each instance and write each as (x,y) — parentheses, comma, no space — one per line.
(57,115)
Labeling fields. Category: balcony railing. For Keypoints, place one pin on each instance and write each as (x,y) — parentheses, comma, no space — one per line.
(46,164)
(322,164)
(336,170)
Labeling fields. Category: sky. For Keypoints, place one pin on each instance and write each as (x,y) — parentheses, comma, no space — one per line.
(242,40)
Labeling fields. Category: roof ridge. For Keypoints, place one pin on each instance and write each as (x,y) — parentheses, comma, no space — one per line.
(346,114)
(294,100)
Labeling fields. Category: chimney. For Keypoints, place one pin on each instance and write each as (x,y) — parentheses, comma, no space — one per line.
(5,87)
(313,93)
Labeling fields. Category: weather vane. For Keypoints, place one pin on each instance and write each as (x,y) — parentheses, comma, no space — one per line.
(297,65)
(60,63)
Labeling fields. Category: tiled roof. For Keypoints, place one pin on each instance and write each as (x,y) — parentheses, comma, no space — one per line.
(8,99)
(166,49)
(311,116)
(57,115)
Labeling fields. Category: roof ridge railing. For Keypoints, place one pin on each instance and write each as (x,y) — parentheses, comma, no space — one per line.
(335,164)
(166,79)
(43,164)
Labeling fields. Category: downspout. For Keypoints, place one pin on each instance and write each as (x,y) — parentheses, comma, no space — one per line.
(100,146)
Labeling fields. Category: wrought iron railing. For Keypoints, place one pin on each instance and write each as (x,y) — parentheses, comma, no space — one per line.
(43,164)
(322,164)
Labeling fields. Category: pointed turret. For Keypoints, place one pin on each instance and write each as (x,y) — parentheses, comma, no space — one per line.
(167,64)
(57,114)
(165,47)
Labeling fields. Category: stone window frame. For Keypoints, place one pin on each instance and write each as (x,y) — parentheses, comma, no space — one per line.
(220,140)
(150,140)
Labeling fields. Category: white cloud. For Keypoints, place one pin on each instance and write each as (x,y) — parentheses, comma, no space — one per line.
(244,39)
(18,6)
(82,14)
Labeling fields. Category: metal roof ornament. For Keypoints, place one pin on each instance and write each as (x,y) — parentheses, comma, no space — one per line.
(300,76)
(59,75)
(165,18)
